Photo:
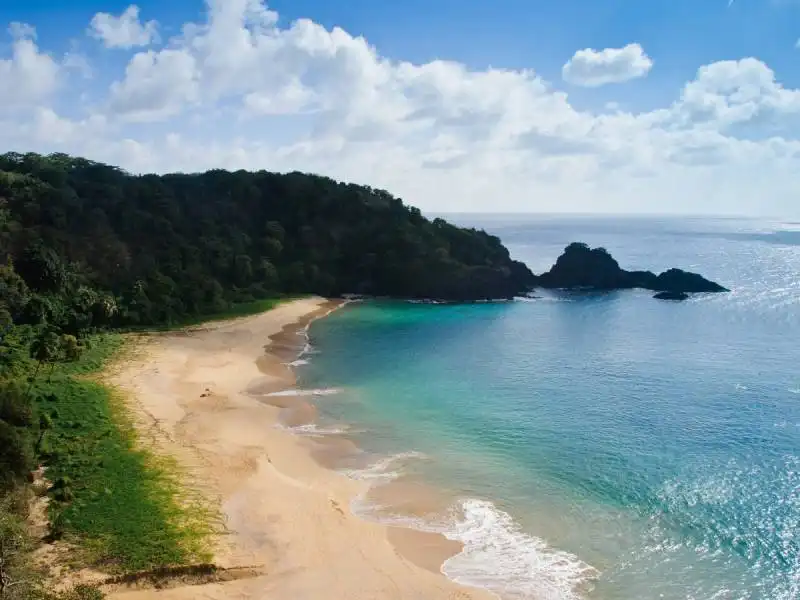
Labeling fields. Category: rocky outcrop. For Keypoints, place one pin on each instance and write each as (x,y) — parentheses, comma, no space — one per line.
(583,268)
(679,296)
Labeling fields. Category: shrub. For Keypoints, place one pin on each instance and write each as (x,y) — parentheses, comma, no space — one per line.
(15,406)
(16,455)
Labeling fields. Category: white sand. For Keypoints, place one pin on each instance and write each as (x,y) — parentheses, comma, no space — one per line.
(285,514)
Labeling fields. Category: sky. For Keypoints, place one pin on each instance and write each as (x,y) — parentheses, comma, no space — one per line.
(591,106)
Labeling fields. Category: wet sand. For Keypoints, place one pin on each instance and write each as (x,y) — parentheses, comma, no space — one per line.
(202,396)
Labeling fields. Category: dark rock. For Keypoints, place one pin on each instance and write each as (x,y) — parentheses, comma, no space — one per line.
(678,280)
(582,267)
(671,296)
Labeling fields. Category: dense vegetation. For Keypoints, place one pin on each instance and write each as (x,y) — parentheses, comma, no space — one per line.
(117,504)
(152,249)
(86,249)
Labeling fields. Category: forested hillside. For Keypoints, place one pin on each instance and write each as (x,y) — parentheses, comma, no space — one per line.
(86,248)
(152,249)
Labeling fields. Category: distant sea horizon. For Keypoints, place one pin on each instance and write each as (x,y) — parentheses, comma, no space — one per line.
(528,215)
(603,446)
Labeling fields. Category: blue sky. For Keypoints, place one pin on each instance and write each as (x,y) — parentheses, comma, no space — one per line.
(630,126)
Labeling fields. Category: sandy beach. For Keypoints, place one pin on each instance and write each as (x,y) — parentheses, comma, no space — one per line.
(201,396)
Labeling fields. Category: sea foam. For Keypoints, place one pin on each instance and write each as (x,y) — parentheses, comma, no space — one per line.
(497,555)
(309,392)
(315,430)
(385,469)
(502,558)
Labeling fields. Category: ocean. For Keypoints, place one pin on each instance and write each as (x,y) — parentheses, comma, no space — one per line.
(598,445)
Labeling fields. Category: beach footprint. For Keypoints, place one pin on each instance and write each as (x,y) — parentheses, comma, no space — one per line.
(336,506)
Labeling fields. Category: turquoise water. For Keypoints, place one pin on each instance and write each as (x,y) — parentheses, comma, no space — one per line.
(603,446)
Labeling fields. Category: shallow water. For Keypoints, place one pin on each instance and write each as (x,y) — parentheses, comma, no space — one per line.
(605,446)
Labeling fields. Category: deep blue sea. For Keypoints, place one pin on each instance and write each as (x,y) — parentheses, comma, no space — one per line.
(600,446)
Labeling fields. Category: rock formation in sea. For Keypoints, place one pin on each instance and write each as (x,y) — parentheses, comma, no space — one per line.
(671,296)
(582,267)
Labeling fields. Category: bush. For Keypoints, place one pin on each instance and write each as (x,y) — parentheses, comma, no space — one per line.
(16,455)
(61,491)
(15,406)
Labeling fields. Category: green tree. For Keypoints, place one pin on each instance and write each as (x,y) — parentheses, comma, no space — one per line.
(95,247)
(16,455)
(42,268)
(15,405)
(45,348)
(14,292)
(244,269)
(70,348)
(268,275)
(45,425)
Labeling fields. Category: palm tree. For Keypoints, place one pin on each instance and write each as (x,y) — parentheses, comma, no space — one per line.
(44,348)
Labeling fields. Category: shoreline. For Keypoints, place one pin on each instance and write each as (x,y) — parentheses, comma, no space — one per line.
(201,396)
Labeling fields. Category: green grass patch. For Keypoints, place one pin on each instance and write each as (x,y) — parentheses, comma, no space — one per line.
(240,309)
(123,506)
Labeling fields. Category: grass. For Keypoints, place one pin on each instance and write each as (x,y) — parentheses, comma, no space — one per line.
(239,309)
(122,506)
(242,309)
(124,509)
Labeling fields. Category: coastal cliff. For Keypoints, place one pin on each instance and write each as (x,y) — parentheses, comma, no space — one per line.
(166,247)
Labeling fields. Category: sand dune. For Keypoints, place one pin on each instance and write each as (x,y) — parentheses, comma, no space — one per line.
(199,396)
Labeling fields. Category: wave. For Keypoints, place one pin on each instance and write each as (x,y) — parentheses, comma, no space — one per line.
(497,554)
(794,391)
(307,350)
(381,470)
(315,430)
(309,392)
(500,557)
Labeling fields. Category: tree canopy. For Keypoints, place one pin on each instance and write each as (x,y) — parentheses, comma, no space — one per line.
(92,245)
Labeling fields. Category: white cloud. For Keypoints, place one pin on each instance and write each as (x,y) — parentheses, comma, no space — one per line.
(292,98)
(124,31)
(593,68)
(29,75)
(156,85)
(728,92)
(239,90)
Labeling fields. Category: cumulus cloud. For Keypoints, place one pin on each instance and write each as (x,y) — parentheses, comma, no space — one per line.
(124,31)
(28,75)
(156,85)
(239,89)
(593,68)
(728,92)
